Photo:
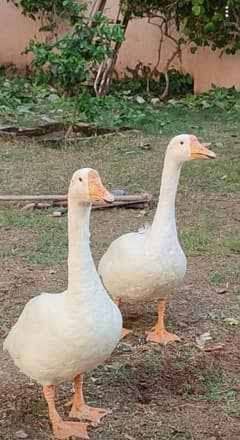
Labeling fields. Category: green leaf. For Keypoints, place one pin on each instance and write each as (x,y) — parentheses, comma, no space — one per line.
(196,10)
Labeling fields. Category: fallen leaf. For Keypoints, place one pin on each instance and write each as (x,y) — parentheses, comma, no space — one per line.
(221,291)
(140,100)
(155,101)
(203,339)
(232,321)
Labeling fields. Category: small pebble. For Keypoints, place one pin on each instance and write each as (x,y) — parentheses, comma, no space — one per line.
(57,214)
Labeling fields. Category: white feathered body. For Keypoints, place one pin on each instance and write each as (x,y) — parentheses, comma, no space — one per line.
(59,336)
(136,269)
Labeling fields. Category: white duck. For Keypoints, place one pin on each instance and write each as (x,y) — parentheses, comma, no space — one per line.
(60,336)
(149,265)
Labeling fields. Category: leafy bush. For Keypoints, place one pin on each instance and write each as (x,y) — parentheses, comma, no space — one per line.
(217,98)
(24,102)
(70,61)
(179,84)
(50,10)
(213,23)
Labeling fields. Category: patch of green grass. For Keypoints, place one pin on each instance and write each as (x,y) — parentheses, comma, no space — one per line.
(25,103)
(49,245)
(20,219)
(216,278)
(220,175)
(196,240)
(232,244)
(205,239)
(217,386)
(229,272)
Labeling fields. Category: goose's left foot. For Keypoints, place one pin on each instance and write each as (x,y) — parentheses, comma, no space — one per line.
(79,408)
(158,333)
(85,412)
(161,337)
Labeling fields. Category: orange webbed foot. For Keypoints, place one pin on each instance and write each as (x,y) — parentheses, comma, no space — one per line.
(64,430)
(85,412)
(161,337)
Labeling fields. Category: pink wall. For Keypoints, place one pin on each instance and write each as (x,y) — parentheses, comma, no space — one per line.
(15,32)
(141,44)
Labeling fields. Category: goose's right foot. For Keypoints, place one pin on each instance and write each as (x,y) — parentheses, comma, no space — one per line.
(64,430)
(159,334)
(161,337)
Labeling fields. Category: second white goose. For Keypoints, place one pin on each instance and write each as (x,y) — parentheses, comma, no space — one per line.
(149,265)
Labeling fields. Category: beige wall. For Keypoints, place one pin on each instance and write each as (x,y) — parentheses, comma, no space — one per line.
(15,32)
(141,44)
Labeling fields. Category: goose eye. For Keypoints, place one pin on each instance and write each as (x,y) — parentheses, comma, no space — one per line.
(181,143)
(80,179)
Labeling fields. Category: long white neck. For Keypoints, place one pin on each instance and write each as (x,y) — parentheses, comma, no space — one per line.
(164,222)
(82,274)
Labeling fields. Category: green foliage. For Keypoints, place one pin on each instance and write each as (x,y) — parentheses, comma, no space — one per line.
(140,8)
(26,103)
(51,10)
(179,84)
(69,61)
(203,22)
(217,98)
(206,23)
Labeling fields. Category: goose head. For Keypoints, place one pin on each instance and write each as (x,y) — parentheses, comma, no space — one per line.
(186,147)
(86,186)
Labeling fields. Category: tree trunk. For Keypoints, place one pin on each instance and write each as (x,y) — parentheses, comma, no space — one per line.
(105,72)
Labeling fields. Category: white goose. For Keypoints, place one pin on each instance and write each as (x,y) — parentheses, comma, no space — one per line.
(60,336)
(149,265)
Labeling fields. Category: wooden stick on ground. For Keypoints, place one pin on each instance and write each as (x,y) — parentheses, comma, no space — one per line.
(46,201)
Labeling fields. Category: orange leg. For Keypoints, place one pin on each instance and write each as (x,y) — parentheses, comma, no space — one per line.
(79,408)
(125,331)
(62,430)
(158,333)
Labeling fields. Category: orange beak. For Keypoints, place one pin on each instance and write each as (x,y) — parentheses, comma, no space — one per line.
(97,192)
(200,151)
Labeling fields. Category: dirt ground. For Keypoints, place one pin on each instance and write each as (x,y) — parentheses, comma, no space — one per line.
(178,392)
